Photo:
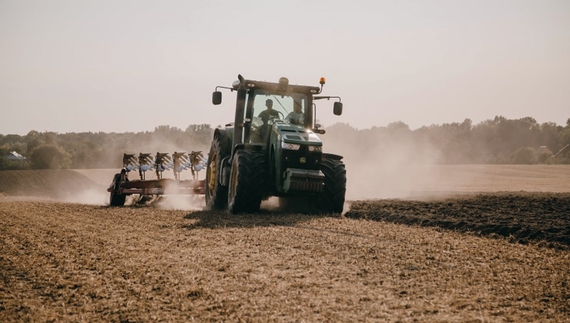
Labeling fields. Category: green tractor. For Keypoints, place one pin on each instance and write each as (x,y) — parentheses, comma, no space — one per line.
(272,149)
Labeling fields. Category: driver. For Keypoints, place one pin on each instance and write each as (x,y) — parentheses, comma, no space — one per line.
(297,116)
(269,113)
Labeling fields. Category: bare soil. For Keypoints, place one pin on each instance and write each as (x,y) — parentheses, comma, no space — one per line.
(462,256)
(521,216)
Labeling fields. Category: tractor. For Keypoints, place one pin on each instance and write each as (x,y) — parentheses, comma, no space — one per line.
(272,149)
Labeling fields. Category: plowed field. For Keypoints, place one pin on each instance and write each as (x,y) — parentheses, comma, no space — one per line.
(450,251)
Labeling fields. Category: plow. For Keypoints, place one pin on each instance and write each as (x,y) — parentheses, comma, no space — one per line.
(147,189)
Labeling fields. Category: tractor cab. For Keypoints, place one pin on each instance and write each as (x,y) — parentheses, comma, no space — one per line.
(293,104)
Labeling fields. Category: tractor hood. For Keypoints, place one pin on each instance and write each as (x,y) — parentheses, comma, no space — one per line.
(295,134)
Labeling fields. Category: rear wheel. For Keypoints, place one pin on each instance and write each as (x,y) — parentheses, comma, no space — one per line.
(247,181)
(216,193)
(332,199)
(114,198)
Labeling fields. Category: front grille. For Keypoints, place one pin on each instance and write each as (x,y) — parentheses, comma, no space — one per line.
(303,180)
(302,158)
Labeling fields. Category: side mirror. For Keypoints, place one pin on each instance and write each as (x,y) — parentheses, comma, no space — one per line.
(217,98)
(337,108)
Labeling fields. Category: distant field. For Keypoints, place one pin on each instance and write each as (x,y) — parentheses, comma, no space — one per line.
(404,181)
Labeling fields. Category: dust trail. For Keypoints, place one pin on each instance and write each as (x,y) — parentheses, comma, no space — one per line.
(380,168)
(92,196)
(181,202)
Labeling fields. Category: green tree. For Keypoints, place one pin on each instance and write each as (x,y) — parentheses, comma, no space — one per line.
(50,157)
(523,156)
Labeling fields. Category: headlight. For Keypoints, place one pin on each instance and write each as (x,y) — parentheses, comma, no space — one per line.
(315,148)
(286,145)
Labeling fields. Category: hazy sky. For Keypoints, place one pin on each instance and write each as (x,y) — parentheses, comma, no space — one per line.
(118,66)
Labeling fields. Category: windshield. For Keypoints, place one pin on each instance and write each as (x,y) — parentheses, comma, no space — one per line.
(289,108)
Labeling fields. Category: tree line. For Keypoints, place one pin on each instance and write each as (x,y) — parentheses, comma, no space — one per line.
(89,150)
(494,141)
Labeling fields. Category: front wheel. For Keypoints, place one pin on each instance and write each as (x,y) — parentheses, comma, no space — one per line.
(332,199)
(247,181)
(216,193)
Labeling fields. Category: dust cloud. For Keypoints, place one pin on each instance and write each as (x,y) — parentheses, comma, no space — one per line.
(378,168)
(181,202)
(91,196)
(388,162)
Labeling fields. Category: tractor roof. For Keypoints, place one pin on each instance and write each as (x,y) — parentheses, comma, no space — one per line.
(281,87)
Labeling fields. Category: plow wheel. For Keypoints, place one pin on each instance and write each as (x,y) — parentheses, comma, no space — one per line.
(247,181)
(332,199)
(114,198)
(216,194)
(117,199)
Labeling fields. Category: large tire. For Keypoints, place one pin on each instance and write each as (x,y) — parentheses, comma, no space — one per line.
(332,199)
(114,198)
(247,181)
(216,193)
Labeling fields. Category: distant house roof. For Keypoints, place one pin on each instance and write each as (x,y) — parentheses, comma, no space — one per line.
(15,156)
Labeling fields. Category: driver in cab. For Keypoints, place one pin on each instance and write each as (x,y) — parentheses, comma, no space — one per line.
(297,116)
(268,113)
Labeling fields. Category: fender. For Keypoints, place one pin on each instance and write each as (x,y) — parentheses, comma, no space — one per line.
(332,156)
